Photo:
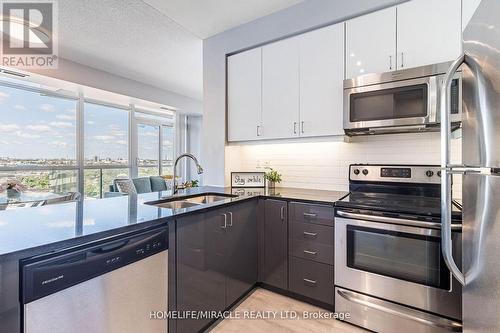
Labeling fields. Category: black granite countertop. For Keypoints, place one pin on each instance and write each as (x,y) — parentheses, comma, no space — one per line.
(57,226)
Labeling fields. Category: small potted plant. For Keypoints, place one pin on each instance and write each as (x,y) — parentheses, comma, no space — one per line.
(190,183)
(13,187)
(272,177)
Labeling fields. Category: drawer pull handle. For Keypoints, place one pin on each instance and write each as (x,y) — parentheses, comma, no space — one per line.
(309,281)
(310,215)
(310,234)
(313,253)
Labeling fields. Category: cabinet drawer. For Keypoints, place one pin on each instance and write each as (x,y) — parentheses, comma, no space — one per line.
(311,241)
(311,279)
(311,213)
(312,251)
(311,233)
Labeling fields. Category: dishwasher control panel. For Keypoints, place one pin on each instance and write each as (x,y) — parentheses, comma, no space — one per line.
(48,274)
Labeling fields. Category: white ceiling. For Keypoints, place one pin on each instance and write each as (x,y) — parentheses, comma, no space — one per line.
(157,42)
(205,18)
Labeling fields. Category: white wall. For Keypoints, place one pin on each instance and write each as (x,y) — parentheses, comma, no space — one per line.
(323,164)
(302,17)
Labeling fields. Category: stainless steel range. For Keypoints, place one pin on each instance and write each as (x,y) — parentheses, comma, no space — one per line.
(390,274)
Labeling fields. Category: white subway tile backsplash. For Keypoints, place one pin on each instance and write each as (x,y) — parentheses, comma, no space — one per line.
(324,164)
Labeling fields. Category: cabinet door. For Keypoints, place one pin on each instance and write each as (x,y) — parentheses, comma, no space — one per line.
(200,267)
(244,83)
(429,32)
(321,81)
(241,250)
(275,252)
(371,43)
(280,89)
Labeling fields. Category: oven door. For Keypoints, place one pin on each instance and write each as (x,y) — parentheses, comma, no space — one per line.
(396,262)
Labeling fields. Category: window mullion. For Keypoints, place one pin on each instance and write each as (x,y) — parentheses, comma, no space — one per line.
(80,142)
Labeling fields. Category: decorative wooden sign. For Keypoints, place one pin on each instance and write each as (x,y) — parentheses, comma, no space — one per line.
(248,179)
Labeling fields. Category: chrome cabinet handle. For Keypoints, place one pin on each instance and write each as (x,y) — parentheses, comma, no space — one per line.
(311,234)
(402,312)
(258,130)
(309,281)
(402,60)
(225,222)
(302,127)
(310,215)
(446,243)
(313,253)
(282,213)
(390,62)
(230,224)
(295,128)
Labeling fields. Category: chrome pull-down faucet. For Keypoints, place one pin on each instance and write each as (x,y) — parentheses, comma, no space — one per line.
(198,167)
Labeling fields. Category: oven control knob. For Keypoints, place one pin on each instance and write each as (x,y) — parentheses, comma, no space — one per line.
(365,172)
(356,172)
(429,173)
(439,173)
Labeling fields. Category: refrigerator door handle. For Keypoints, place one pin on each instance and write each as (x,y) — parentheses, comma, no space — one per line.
(446,179)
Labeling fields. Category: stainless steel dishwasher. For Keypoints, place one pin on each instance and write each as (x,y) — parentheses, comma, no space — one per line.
(105,287)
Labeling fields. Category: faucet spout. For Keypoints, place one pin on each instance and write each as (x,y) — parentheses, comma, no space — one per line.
(198,167)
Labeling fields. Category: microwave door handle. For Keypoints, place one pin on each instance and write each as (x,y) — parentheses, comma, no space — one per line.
(446,179)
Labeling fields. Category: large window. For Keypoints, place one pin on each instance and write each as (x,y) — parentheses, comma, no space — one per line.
(53,141)
(106,142)
(38,140)
(148,149)
(167,160)
(106,135)
(155,150)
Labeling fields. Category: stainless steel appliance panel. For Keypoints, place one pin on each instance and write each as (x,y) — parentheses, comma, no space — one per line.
(387,317)
(481,248)
(400,101)
(429,104)
(117,302)
(402,287)
(481,88)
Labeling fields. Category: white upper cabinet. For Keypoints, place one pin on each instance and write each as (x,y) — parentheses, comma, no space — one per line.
(280,89)
(428,32)
(321,54)
(371,43)
(244,99)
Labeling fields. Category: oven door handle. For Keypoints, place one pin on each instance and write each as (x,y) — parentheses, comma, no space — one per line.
(403,312)
(446,243)
(393,220)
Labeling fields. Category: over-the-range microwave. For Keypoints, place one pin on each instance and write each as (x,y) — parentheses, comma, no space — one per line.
(400,101)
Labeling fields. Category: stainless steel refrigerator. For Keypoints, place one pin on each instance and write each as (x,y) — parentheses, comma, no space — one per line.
(479,270)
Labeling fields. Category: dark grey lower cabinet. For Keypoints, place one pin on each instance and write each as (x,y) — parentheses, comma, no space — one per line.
(216,261)
(199,267)
(274,234)
(241,250)
(311,279)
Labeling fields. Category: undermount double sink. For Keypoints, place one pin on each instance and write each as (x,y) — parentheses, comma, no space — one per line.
(190,201)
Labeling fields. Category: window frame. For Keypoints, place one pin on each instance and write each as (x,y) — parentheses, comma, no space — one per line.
(132,138)
(167,122)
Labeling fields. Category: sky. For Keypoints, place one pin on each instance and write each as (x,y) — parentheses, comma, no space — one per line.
(37,126)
